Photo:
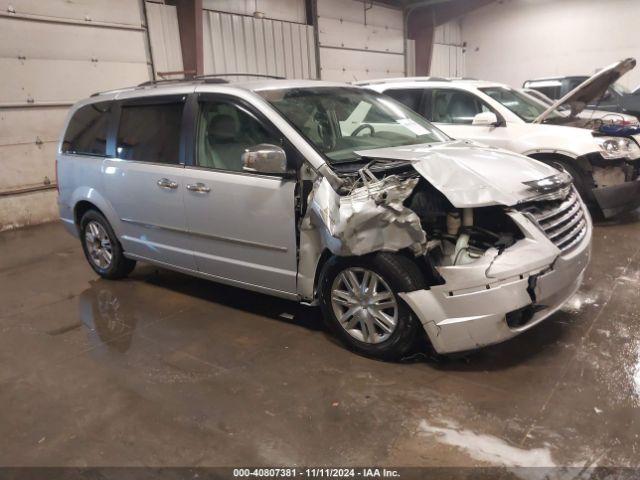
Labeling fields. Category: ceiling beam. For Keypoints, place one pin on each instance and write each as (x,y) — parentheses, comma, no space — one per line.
(423,16)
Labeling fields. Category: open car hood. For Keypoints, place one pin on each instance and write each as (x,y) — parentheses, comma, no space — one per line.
(471,175)
(591,89)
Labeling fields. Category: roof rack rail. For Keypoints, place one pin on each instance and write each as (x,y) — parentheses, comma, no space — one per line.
(148,83)
(209,78)
(218,75)
(377,81)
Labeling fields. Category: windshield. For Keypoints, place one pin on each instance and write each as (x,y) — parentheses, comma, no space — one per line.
(620,89)
(339,121)
(541,97)
(527,108)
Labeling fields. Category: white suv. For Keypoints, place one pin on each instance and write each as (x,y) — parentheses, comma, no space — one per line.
(605,169)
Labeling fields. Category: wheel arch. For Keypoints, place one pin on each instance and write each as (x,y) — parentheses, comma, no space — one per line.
(86,198)
(550,157)
(82,207)
(322,261)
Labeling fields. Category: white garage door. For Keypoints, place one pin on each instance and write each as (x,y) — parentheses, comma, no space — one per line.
(243,44)
(164,36)
(359,41)
(447,59)
(53,53)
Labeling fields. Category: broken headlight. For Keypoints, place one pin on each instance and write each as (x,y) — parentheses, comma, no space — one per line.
(612,148)
(551,183)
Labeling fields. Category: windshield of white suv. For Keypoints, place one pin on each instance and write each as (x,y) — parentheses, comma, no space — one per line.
(339,121)
(526,108)
(620,89)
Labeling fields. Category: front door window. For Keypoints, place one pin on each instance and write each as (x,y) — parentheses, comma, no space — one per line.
(225,131)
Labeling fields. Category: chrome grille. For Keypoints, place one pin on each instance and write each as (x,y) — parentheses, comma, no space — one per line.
(563,221)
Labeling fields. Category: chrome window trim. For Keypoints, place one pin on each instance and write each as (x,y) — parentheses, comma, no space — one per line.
(275,176)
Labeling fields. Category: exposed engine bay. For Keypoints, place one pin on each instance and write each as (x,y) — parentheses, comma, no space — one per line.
(388,206)
(500,249)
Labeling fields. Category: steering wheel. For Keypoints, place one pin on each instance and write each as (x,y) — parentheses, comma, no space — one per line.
(361,128)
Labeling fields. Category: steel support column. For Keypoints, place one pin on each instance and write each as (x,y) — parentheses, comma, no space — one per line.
(422,19)
(190,25)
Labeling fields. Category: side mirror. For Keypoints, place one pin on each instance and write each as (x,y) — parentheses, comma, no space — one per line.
(264,158)
(485,118)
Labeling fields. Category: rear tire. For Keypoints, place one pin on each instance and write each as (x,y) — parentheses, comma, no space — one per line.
(361,306)
(102,248)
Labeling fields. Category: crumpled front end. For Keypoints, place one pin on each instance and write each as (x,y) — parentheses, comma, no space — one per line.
(494,270)
(505,293)
(370,218)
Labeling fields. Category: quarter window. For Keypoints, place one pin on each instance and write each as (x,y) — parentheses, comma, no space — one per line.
(225,131)
(150,133)
(87,130)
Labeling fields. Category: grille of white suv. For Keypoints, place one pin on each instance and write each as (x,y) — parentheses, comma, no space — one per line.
(563,221)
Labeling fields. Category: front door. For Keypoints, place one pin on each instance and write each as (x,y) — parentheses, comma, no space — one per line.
(144,182)
(242,224)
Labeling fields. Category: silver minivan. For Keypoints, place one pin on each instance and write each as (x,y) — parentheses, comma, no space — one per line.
(326,194)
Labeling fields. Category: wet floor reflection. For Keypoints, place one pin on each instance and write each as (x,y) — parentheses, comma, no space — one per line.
(105,317)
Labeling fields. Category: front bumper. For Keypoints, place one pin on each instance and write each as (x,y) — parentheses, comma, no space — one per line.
(471,309)
(619,198)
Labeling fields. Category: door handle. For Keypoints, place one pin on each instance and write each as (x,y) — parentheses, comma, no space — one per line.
(166,183)
(198,187)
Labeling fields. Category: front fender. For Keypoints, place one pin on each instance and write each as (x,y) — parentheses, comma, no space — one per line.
(554,139)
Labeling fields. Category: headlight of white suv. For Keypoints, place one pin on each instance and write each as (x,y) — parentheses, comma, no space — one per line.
(613,148)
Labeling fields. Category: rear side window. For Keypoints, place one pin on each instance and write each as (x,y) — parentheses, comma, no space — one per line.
(150,133)
(411,97)
(87,130)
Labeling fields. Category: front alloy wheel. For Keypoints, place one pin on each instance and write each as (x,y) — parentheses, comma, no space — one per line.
(364,305)
(360,302)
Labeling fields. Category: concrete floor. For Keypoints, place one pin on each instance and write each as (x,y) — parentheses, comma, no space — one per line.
(163,369)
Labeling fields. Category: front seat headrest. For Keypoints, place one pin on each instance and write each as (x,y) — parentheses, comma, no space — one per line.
(461,106)
(222,129)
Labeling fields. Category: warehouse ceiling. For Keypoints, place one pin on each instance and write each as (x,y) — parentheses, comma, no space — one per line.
(462,6)
(413,3)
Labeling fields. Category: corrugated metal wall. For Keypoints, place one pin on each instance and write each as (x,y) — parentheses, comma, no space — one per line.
(287,10)
(164,36)
(242,44)
(448,59)
(53,53)
(357,44)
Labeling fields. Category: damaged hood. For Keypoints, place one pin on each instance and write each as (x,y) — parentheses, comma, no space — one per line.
(591,89)
(468,174)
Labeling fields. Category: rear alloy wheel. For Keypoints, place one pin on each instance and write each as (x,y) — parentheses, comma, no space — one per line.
(98,245)
(102,248)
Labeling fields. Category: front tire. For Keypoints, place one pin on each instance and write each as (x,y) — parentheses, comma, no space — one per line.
(102,248)
(360,303)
